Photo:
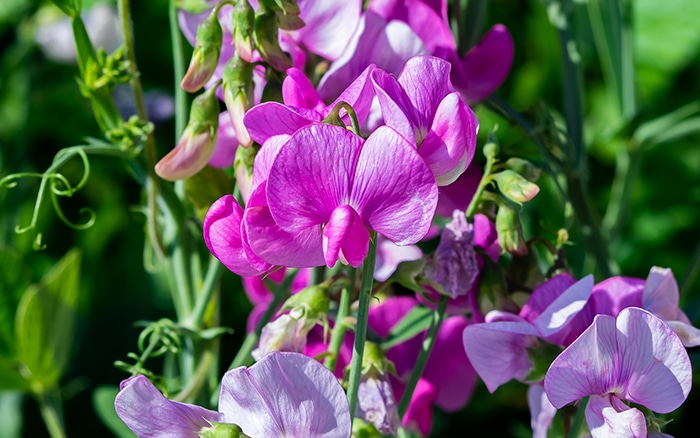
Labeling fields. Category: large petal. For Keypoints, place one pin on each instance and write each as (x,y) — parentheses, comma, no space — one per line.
(429,21)
(397,108)
(419,415)
(298,91)
(450,143)
(285,394)
(541,411)
(544,295)
(312,175)
(588,366)
(222,235)
(555,318)
(150,415)
(655,369)
(498,351)
(660,295)
(426,95)
(393,189)
(358,95)
(329,25)
(608,417)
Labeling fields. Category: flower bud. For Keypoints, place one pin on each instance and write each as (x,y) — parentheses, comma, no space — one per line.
(243,171)
(286,333)
(515,187)
(510,231)
(196,144)
(238,95)
(287,13)
(243,24)
(205,57)
(222,430)
(376,402)
(266,40)
(453,268)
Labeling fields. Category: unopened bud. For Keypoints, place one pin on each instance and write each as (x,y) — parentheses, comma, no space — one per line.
(238,95)
(243,170)
(196,144)
(313,301)
(376,402)
(515,187)
(287,13)
(266,40)
(222,430)
(206,53)
(243,24)
(510,231)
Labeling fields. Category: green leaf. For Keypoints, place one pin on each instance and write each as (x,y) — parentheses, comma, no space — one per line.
(13,281)
(658,130)
(10,377)
(103,403)
(11,414)
(416,321)
(44,323)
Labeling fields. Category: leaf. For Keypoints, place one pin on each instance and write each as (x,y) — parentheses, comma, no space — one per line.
(13,281)
(10,377)
(103,403)
(416,321)
(44,323)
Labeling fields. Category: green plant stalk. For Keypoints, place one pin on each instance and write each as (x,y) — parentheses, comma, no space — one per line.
(470,23)
(578,419)
(426,348)
(361,326)
(181,109)
(339,329)
(51,413)
(485,180)
(205,293)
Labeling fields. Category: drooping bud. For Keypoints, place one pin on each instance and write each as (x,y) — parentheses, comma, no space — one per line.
(515,187)
(243,23)
(287,13)
(267,43)
(243,170)
(510,231)
(196,144)
(376,402)
(238,95)
(289,331)
(206,53)
(453,268)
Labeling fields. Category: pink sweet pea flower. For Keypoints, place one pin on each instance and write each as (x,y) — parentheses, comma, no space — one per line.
(635,357)
(284,394)
(430,114)
(320,207)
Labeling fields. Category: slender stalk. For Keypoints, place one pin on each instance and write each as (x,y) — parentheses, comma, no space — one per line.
(179,69)
(426,348)
(485,180)
(199,378)
(51,413)
(471,23)
(339,329)
(361,327)
(575,430)
(205,293)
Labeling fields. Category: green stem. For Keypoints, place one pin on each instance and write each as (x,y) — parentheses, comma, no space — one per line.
(426,348)
(199,378)
(361,326)
(338,333)
(181,109)
(485,180)
(205,293)
(51,413)
(471,23)
(578,419)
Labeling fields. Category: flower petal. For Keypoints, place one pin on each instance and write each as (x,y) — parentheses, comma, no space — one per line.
(345,237)
(150,415)
(273,118)
(655,369)
(285,394)
(541,411)
(426,95)
(297,91)
(564,308)
(608,417)
(398,197)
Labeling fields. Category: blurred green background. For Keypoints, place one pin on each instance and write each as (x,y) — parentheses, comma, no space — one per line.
(42,111)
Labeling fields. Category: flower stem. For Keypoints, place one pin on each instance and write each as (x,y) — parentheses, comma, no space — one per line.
(205,293)
(426,348)
(361,326)
(575,430)
(178,70)
(485,180)
(339,329)
(50,412)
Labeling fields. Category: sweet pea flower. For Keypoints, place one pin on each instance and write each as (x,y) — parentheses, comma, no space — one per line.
(634,357)
(423,107)
(316,208)
(284,394)
(498,348)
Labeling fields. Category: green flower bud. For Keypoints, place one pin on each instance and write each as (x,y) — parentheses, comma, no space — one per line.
(312,301)
(243,170)
(515,187)
(238,95)
(287,12)
(196,145)
(222,430)
(267,43)
(206,53)
(525,168)
(510,231)
(243,24)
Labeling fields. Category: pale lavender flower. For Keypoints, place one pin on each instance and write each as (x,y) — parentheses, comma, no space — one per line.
(284,394)
(635,357)
(421,105)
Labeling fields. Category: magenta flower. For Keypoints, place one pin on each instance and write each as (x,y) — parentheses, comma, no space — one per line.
(284,394)
(635,357)
(321,206)
(430,114)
